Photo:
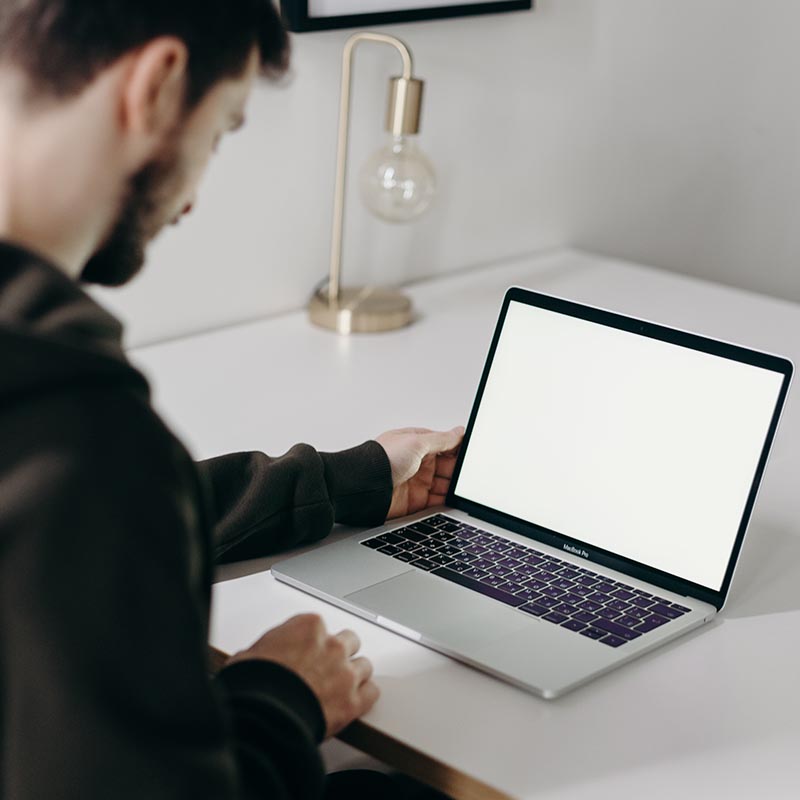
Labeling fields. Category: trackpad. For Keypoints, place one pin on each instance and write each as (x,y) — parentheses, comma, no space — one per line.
(439,610)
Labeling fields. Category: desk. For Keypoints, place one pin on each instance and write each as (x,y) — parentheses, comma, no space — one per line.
(715,714)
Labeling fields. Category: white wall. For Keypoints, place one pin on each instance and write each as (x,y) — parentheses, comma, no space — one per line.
(666,131)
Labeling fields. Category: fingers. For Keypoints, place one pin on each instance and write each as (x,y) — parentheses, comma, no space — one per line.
(350,641)
(440,486)
(369,694)
(445,465)
(443,441)
(363,669)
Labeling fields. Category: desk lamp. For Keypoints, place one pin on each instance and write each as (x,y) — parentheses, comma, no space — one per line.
(397,184)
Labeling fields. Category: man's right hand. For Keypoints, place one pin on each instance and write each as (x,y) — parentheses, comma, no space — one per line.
(341,683)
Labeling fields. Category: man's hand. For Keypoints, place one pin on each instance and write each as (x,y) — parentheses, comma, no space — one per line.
(341,683)
(422,465)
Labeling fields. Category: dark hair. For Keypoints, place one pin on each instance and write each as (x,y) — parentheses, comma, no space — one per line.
(61,45)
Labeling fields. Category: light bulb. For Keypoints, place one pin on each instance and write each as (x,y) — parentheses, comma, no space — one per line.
(398,182)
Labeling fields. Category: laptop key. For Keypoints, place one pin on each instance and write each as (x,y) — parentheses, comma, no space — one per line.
(592,633)
(607,613)
(549,602)
(535,583)
(404,556)
(643,602)
(423,563)
(462,579)
(666,611)
(533,608)
(422,527)
(565,608)
(534,561)
(508,586)
(526,569)
(584,616)
(373,543)
(426,552)
(681,608)
(458,566)
(499,569)
(492,580)
(618,630)
(605,587)
(639,613)
(448,549)
(450,527)
(474,573)
(527,594)
(389,538)
(618,605)
(390,550)
(622,594)
(412,536)
(574,599)
(554,616)
(550,566)
(652,622)
(627,621)
(612,641)
(589,605)
(573,625)
(441,560)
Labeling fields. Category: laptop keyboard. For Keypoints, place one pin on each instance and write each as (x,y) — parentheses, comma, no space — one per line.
(577,599)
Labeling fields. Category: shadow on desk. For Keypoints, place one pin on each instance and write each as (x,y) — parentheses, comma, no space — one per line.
(768,576)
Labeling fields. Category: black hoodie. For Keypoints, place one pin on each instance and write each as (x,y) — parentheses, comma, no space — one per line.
(108,532)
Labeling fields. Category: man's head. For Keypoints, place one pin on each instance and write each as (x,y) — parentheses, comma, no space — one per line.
(151,86)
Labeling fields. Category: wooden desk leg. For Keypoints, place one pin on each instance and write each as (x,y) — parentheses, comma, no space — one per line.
(416,764)
(399,755)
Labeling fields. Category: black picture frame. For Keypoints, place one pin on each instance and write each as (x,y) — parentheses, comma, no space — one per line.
(296,19)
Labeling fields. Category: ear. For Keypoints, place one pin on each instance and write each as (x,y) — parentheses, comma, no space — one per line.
(153,91)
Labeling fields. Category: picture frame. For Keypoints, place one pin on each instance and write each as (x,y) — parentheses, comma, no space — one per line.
(302,16)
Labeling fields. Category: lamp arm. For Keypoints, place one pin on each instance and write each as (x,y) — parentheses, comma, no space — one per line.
(334,281)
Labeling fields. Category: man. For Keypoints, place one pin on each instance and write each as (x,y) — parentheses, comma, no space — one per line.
(109,112)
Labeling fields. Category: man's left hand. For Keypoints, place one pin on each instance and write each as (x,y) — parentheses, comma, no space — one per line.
(422,465)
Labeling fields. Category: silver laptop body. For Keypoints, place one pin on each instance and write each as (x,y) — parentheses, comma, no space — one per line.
(597,509)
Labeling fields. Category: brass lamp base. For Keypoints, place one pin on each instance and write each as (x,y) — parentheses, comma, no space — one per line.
(365,310)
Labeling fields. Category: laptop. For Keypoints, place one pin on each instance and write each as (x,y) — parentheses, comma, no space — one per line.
(598,505)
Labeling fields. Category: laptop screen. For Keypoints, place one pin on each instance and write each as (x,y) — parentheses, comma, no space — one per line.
(638,446)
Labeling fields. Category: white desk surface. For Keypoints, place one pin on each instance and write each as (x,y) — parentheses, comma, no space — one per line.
(715,714)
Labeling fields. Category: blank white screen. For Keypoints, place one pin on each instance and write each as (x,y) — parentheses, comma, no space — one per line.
(640,447)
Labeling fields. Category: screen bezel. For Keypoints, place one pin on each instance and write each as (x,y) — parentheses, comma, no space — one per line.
(650,330)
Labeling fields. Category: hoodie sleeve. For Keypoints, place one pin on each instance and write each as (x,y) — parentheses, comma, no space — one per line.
(264,505)
(104,586)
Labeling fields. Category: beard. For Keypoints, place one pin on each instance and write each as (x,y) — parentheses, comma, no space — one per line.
(142,217)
